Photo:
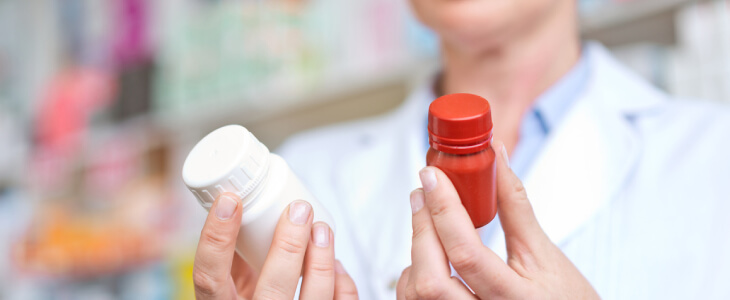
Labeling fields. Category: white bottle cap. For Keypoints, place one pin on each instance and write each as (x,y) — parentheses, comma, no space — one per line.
(229,159)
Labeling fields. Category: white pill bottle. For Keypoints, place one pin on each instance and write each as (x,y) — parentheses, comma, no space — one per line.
(231,159)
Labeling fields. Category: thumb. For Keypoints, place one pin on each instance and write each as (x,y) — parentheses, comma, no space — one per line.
(345,288)
(515,211)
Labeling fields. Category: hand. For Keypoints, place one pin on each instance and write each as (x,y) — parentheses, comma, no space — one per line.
(443,233)
(298,247)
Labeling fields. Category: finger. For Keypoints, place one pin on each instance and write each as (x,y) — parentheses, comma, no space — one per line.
(281,271)
(400,290)
(244,277)
(429,262)
(515,212)
(528,246)
(430,272)
(427,254)
(481,268)
(428,259)
(464,290)
(345,288)
(319,265)
(446,288)
(212,267)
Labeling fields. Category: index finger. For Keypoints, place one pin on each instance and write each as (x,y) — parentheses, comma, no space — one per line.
(430,275)
(212,267)
(480,268)
(318,274)
(427,255)
(283,266)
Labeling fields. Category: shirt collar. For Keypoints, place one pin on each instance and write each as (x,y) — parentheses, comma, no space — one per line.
(552,105)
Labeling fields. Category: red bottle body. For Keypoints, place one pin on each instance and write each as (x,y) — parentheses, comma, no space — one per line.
(460,136)
(473,176)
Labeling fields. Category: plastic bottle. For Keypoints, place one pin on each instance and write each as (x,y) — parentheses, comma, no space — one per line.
(231,159)
(460,136)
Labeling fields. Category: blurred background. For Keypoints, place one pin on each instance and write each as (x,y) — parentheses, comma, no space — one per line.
(100,102)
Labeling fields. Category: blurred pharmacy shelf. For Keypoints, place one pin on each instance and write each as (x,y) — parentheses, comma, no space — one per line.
(617,23)
(284,113)
(100,101)
(273,120)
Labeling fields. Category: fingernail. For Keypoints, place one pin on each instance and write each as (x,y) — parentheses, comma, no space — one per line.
(321,235)
(226,207)
(428,179)
(417,200)
(299,212)
(504,155)
(339,269)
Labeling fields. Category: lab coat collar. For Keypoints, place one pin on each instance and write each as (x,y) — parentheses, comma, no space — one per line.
(586,160)
(590,156)
(617,88)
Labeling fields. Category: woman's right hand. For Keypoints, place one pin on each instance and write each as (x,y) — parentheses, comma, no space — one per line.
(298,248)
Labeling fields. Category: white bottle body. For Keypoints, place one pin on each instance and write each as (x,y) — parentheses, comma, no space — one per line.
(231,160)
(260,216)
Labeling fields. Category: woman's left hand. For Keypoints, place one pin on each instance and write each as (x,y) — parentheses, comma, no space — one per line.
(443,234)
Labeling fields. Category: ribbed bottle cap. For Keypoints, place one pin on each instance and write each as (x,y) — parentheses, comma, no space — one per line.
(459,123)
(229,159)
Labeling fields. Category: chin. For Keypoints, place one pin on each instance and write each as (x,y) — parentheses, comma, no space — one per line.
(477,25)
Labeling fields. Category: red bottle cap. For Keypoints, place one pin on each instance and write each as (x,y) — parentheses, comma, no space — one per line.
(459,124)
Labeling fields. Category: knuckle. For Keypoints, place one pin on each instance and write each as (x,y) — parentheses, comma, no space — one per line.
(271,292)
(291,245)
(519,188)
(216,239)
(405,274)
(402,284)
(501,291)
(352,294)
(438,208)
(411,292)
(420,230)
(518,198)
(524,256)
(205,283)
(349,292)
(429,287)
(464,258)
(324,269)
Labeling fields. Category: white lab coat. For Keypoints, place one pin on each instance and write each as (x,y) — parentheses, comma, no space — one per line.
(632,186)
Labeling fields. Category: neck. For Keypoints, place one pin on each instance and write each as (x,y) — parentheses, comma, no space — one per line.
(514,74)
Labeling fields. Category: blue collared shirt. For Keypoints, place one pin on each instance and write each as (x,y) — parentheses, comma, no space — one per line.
(545,114)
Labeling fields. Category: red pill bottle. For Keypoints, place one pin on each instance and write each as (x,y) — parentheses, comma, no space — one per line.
(460,136)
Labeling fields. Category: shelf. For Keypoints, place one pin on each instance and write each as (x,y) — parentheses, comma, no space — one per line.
(280,115)
(360,87)
(618,24)
(615,14)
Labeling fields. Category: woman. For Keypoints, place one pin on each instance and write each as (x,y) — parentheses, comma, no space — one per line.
(626,188)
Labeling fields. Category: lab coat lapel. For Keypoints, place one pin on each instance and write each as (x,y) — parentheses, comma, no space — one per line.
(582,167)
(590,156)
